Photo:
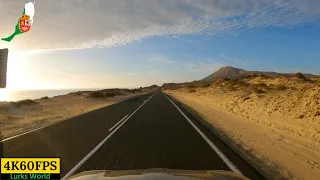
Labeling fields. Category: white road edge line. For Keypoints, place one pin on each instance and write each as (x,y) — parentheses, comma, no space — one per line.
(65,119)
(214,147)
(77,166)
(119,122)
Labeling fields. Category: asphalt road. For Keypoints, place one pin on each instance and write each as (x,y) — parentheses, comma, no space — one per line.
(154,133)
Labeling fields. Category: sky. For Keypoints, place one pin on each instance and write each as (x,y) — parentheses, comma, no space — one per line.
(131,43)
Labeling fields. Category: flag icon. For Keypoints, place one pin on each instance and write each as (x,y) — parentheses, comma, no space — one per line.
(24,23)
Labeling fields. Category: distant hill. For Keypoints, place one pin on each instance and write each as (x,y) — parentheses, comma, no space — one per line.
(233,73)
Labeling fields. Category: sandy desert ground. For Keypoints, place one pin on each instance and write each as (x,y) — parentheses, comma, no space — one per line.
(274,122)
(22,116)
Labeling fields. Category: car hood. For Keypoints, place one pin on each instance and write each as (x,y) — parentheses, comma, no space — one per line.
(157,174)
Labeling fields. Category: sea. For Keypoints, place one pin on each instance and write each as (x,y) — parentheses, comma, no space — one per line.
(17,95)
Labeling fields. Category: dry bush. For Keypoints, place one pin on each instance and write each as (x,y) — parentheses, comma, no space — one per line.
(174,87)
(300,76)
(263,85)
(110,94)
(281,87)
(257,88)
(9,105)
(96,94)
(220,81)
(46,97)
(137,90)
(191,85)
(263,76)
(249,76)
(77,93)
(258,91)
(244,84)
(204,84)
(27,102)
(233,82)
(129,90)
(192,91)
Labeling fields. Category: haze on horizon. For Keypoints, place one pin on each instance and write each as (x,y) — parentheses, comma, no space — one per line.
(118,43)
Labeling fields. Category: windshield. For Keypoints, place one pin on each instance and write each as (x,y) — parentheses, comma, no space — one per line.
(228,86)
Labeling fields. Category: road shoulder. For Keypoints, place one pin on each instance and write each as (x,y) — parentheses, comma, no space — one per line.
(215,127)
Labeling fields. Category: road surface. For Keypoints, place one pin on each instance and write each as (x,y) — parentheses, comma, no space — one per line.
(149,131)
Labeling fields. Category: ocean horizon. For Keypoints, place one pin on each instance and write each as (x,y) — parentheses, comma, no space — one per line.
(17,95)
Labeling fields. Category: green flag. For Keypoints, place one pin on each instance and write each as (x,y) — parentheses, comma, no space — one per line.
(24,22)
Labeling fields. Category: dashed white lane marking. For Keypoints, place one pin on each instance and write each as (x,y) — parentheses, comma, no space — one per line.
(118,122)
(77,166)
(214,147)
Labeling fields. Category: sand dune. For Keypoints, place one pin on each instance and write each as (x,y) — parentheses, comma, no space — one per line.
(275,122)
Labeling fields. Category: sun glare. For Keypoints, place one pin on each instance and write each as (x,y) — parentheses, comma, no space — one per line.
(4,95)
(16,73)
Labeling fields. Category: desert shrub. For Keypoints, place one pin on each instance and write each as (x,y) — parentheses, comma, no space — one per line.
(191,91)
(248,76)
(138,90)
(9,105)
(281,77)
(264,85)
(281,87)
(129,90)
(191,85)
(258,91)
(233,82)
(114,92)
(110,94)
(46,97)
(317,80)
(175,87)
(27,102)
(204,84)
(243,84)
(256,88)
(96,94)
(301,76)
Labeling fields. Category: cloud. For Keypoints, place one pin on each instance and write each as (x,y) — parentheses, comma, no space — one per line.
(77,24)
(160,60)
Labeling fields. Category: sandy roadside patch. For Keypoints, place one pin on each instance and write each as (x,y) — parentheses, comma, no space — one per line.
(281,144)
(52,110)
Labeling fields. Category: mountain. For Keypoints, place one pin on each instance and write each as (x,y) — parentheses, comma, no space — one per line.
(233,73)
